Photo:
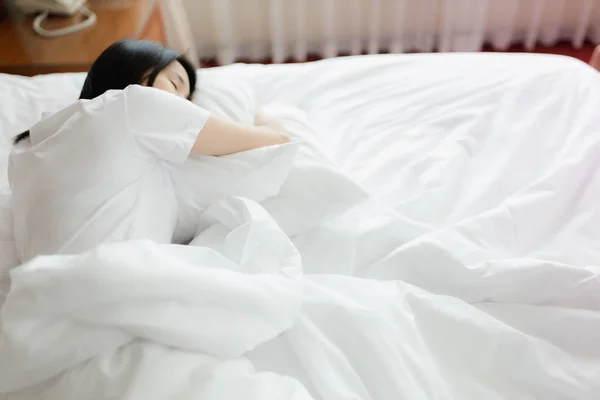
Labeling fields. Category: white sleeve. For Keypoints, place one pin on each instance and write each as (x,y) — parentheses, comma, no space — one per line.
(166,126)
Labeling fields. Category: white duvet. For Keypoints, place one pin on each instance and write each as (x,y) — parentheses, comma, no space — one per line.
(461,261)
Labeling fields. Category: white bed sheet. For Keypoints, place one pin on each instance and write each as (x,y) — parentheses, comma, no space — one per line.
(445,139)
(441,138)
(489,162)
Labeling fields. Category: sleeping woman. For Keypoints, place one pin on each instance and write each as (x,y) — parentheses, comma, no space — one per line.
(99,170)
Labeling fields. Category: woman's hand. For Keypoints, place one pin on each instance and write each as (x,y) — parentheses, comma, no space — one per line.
(262,119)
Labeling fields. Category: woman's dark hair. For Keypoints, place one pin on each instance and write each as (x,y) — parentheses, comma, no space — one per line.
(128,62)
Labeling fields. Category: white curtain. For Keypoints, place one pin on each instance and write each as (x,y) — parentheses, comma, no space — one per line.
(177,29)
(282,29)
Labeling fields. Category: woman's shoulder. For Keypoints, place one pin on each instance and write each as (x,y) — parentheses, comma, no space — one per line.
(100,110)
(82,104)
(97,103)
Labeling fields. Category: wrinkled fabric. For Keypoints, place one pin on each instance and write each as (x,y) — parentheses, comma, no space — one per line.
(466,266)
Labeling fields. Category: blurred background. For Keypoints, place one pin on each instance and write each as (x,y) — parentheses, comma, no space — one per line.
(219,32)
(296,30)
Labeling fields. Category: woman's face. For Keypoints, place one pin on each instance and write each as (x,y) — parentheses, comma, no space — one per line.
(173,79)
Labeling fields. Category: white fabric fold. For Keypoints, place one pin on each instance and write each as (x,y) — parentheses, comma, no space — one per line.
(64,311)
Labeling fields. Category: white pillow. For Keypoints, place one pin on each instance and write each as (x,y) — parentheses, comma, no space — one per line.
(257,174)
(298,191)
(316,188)
(232,99)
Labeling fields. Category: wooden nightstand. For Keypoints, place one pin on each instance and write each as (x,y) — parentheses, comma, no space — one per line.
(24,52)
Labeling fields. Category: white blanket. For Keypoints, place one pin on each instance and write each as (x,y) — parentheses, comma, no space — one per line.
(469,271)
(143,321)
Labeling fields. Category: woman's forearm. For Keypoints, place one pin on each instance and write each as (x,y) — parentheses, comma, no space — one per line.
(220,137)
(595,61)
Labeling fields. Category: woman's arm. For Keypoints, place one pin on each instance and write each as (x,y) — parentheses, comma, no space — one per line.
(595,61)
(220,137)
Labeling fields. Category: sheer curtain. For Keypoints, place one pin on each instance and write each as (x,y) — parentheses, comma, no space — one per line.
(177,29)
(280,29)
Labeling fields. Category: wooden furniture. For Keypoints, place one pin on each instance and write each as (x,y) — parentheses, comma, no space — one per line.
(24,52)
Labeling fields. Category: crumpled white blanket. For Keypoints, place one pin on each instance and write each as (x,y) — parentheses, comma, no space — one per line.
(84,326)
(145,321)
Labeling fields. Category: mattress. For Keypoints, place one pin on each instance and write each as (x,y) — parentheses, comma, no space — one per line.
(491,157)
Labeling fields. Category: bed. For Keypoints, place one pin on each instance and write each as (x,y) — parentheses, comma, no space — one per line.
(469,271)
